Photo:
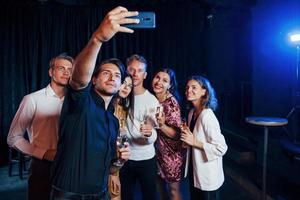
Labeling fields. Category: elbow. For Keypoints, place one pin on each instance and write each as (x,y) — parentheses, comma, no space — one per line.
(222,149)
(78,84)
(10,141)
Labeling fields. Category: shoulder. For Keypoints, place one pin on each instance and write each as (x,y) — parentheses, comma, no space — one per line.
(37,93)
(207,115)
(149,96)
(35,96)
(172,100)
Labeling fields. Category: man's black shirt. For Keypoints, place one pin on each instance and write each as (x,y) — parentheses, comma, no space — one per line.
(87,141)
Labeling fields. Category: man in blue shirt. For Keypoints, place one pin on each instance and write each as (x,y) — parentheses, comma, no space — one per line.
(88,128)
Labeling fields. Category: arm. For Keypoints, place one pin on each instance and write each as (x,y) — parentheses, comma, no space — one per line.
(169,121)
(169,131)
(20,123)
(215,145)
(85,62)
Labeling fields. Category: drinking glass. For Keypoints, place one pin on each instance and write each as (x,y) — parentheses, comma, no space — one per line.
(121,139)
(158,113)
(142,116)
(184,126)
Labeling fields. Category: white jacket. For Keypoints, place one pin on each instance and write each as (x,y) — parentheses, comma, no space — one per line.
(207,163)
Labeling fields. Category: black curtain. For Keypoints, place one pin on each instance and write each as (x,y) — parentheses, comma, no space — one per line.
(185,39)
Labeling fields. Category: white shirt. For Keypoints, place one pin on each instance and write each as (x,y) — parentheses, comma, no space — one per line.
(207,164)
(142,148)
(39,114)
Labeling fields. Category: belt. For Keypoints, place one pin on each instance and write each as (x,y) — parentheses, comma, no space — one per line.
(57,193)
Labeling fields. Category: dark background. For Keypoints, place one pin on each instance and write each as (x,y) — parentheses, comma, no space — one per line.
(240,45)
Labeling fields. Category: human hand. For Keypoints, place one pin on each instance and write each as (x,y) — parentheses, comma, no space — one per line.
(50,154)
(115,185)
(146,129)
(187,137)
(112,23)
(124,151)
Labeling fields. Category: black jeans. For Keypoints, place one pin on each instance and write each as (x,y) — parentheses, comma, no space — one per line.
(59,194)
(145,172)
(39,185)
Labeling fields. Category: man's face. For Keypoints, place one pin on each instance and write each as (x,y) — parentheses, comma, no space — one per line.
(138,72)
(61,71)
(108,81)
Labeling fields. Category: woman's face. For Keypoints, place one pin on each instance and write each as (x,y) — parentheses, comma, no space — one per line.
(161,83)
(126,87)
(194,91)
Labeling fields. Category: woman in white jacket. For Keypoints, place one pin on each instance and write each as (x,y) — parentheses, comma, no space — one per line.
(206,144)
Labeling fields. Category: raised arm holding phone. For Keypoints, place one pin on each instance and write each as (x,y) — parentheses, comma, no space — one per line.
(88,128)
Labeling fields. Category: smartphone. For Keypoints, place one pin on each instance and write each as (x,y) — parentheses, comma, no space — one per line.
(147,21)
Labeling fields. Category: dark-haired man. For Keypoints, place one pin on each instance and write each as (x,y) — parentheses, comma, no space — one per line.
(39,114)
(88,128)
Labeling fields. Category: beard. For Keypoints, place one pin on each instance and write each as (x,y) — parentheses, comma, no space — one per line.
(104,92)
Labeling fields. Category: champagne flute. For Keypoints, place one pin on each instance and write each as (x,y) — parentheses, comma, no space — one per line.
(142,116)
(184,126)
(121,139)
(122,124)
(159,113)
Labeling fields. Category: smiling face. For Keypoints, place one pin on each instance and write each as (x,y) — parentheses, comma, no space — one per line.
(194,91)
(108,81)
(137,70)
(126,87)
(161,83)
(60,72)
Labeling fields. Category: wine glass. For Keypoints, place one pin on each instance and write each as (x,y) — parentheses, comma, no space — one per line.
(158,113)
(122,124)
(184,126)
(142,116)
(121,139)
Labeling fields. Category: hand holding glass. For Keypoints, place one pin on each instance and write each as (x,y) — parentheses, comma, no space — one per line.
(184,126)
(159,114)
(121,140)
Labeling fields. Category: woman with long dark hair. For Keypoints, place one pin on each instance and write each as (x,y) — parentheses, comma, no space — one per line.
(169,150)
(123,101)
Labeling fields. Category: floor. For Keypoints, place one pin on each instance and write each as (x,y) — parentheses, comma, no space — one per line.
(13,188)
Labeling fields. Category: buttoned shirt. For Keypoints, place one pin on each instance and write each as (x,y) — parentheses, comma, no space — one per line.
(39,114)
(87,143)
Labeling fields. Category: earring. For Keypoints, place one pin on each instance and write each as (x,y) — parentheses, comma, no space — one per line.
(167,92)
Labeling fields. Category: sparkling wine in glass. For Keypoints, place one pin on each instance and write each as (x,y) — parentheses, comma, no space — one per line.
(183,126)
(158,113)
(142,116)
(121,139)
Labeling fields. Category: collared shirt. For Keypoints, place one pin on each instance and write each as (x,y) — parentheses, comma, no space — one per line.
(87,143)
(38,113)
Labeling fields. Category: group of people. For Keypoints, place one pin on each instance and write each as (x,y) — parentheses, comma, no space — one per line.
(75,122)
